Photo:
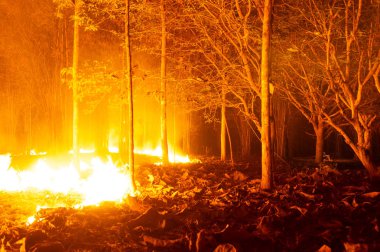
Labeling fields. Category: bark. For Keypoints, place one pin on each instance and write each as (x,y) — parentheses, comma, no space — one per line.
(101,131)
(223,128)
(164,130)
(78,4)
(230,144)
(266,152)
(362,147)
(128,87)
(280,117)
(319,145)
(368,163)
(245,134)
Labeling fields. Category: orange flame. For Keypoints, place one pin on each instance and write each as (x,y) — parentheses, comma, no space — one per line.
(103,182)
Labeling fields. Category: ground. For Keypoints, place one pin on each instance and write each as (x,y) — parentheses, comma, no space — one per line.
(208,206)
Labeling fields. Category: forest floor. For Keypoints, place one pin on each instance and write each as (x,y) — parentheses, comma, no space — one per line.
(208,206)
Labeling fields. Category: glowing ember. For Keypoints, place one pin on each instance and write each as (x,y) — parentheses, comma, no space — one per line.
(97,180)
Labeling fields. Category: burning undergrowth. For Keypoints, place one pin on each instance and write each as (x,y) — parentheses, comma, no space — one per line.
(206,206)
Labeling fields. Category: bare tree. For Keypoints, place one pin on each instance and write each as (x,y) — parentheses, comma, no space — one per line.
(342,47)
(127,99)
(266,152)
(77,7)
(303,88)
(164,130)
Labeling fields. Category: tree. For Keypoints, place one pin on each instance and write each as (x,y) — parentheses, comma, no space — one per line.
(266,152)
(77,7)
(164,130)
(223,124)
(304,90)
(127,99)
(228,41)
(342,33)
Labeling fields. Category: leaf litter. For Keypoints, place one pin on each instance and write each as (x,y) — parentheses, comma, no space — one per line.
(209,206)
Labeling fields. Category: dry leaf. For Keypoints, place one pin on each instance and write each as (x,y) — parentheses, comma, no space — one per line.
(371,194)
(307,196)
(161,242)
(185,176)
(225,248)
(324,248)
(303,211)
(355,247)
(239,176)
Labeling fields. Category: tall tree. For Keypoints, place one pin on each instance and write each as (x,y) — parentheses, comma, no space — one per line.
(266,152)
(127,106)
(223,124)
(164,130)
(77,7)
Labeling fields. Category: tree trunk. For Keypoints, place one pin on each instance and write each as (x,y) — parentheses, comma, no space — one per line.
(78,4)
(319,132)
(245,133)
(101,131)
(223,128)
(366,159)
(280,117)
(164,130)
(186,143)
(266,152)
(230,144)
(128,88)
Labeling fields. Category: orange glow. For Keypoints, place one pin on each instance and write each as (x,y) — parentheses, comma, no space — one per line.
(174,157)
(97,180)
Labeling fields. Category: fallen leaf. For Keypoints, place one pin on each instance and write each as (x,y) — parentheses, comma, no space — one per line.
(185,176)
(162,242)
(239,176)
(324,248)
(303,211)
(371,194)
(225,248)
(307,196)
(355,247)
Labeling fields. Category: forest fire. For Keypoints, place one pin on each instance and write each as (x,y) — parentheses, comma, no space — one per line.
(174,157)
(97,180)
(280,99)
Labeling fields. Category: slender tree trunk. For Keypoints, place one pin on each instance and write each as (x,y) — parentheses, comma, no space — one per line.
(319,132)
(78,4)
(245,137)
(365,158)
(280,115)
(66,92)
(128,87)
(164,130)
(101,131)
(187,144)
(266,152)
(223,127)
(230,144)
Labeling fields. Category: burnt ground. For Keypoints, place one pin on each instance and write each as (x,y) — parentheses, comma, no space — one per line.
(207,206)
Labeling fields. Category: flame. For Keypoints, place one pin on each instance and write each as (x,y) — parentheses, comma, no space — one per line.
(96,180)
(174,157)
(103,180)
